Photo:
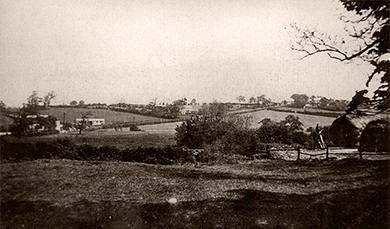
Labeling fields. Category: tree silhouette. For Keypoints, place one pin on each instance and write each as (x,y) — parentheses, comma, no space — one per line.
(370,42)
(241,98)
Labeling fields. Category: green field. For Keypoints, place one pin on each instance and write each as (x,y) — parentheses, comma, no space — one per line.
(307,120)
(110,116)
(313,110)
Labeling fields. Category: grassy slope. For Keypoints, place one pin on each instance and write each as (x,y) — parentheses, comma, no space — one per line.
(264,194)
(110,116)
(307,120)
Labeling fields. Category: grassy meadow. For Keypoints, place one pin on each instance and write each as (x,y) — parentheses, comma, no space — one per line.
(253,194)
(71,113)
(307,120)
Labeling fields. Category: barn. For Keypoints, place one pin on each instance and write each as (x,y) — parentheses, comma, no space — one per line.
(346,130)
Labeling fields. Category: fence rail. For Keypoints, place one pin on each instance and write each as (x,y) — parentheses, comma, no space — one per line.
(329,151)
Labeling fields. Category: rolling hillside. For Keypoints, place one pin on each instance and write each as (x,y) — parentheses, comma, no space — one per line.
(307,120)
(110,116)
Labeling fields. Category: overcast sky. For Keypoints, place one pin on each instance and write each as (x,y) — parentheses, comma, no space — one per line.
(136,50)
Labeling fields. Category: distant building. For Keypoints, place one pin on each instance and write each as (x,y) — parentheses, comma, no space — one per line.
(35,124)
(189,109)
(92,121)
(309,105)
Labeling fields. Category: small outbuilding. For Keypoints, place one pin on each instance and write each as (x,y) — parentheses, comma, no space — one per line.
(346,130)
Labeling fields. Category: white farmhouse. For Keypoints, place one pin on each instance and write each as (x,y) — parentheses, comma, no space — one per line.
(92,121)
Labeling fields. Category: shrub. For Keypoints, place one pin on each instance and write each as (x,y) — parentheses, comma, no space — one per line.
(288,131)
(108,153)
(241,141)
(134,127)
(158,155)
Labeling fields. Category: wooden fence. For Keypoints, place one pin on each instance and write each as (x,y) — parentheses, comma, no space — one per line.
(327,152)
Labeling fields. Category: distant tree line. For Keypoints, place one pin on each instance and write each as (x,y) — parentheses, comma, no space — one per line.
(300,100)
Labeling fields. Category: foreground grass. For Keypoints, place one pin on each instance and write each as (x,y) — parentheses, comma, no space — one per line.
(263,194)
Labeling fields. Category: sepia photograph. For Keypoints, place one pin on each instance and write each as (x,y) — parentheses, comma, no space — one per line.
(194,114)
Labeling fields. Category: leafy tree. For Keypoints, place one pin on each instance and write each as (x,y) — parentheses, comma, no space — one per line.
(81,103)
(300,100)
(209,125)
(84,121)
(32,106)
(252,100)
(180,102)
(324,102)
(173,110)
(193,101)
(293,123)
(48,98)
(73,103)
(33,100)
(370,42)
(287,131)
(241,99)
(214,111)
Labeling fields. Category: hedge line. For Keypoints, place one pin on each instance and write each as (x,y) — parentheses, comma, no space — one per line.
(317,113)
(66,149)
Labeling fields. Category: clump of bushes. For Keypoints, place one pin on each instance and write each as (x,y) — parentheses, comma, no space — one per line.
(134,127)
(214,130)
(34,126)
(158,155)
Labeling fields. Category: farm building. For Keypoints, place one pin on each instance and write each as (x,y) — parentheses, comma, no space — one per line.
(309,105)
(92,121)
(347,129)
(35,124)
(190,109)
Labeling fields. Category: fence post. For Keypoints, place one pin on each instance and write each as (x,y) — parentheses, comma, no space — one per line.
(268,151)
(327,153)
(299,152)
(360,154)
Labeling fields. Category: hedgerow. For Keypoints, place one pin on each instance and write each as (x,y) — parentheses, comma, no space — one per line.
(66,149)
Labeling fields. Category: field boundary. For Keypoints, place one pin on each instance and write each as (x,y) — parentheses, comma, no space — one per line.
(298,153)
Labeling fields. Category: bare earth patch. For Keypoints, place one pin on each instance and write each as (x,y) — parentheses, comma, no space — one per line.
(263,194)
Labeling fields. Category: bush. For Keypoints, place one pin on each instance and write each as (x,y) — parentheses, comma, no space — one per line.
(241,141)
(158,155)
(134,127)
